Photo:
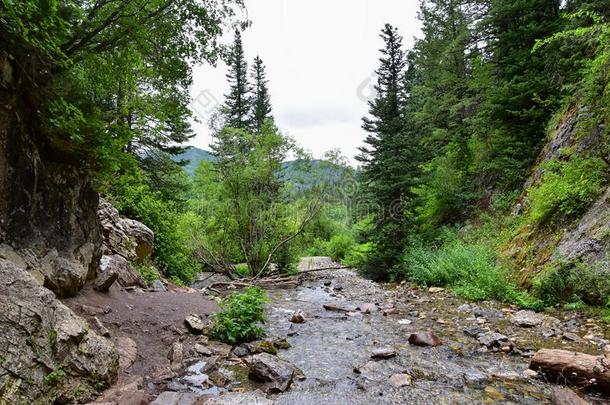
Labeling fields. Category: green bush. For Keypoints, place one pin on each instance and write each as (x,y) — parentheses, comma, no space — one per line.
(239,317)
(55,377)
(148,272)
(573,284)
(358,255)
(340,245)
(566,188)
(470,269)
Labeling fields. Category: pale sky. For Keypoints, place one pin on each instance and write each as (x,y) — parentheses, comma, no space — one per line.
(320,58)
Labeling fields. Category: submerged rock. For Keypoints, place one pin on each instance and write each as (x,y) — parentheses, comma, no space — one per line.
(400,380)
(424,339)
(298,317)
(383,353)
(531,319)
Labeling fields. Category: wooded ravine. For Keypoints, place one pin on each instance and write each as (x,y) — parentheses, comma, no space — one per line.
(462,256)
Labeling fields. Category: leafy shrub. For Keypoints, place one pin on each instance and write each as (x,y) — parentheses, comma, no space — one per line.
(573,284)
(239,317)
(358,255)
(470,269)
(340,245)
(566,188)
(148,272)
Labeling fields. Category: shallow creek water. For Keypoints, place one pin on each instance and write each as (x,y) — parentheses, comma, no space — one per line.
(331,346)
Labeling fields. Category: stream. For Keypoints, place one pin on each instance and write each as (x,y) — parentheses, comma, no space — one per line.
(333,347)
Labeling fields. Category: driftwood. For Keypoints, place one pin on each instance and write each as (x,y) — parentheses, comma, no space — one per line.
(578,368)
(565,396)
(276,281)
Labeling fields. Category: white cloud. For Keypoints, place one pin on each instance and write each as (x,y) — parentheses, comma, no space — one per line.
(318,55)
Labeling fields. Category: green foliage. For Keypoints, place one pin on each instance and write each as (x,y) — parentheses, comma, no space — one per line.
(134,198)
(55,377)
(239,317)
(563,283)
(566,188)
(148,272)
(470,269)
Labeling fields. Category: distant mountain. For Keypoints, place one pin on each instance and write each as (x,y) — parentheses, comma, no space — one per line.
(302,173)
(194,156)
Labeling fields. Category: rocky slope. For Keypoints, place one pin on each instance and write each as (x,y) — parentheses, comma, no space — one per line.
(51,243)
(585,239)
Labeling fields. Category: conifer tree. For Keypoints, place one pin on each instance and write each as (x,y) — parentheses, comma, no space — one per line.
(237,105)
(261,101)
(387,159)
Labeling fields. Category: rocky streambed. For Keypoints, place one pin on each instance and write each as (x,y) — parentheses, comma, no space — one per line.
(341,339)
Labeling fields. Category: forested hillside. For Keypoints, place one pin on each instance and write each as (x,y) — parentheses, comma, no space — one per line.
(456,154)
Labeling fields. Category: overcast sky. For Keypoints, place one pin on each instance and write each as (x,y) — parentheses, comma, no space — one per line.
(320,57)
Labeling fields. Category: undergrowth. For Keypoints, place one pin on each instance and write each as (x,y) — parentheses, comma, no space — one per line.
(239,317)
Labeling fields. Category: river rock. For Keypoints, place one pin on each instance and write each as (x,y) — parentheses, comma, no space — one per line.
(424,339)
(240,398)
(194,323)
(492,339)
(101,328)
(383,353)
(175,398)
(338,307)
(435,290)
(531,319)
(389,311)
(202,350)
(297,317)
(400,380)
(277,374)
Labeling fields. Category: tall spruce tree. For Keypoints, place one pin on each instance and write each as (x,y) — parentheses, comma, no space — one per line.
(238,102)
(261,100)
(387,158)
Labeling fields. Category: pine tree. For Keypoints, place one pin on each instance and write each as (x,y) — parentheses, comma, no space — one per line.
(237,105)
(388,160)
(261,103)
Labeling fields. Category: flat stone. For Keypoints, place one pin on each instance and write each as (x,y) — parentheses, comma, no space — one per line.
(435,290)
(491,339)
(474,331)
(175,398)
(389,311)
(464,308)
(101,328)
(383,353)
(573,337)
(424,339)
(240,398)
(400,380)
(531,319)
(128,351)
(194,323)
(202,350)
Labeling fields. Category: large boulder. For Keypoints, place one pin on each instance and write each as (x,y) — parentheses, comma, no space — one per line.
(48,352)
(127,275)
(124,237)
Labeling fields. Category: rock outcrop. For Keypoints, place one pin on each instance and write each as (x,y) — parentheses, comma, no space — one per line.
(126,241)
(47,352)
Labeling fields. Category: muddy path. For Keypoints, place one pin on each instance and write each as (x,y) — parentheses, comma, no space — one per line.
(487,364)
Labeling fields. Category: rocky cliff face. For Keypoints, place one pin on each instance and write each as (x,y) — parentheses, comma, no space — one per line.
(585,239)
(50,245)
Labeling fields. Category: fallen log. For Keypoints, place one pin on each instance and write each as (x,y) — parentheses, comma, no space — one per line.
(565,396)
(323,268)
(578,368)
